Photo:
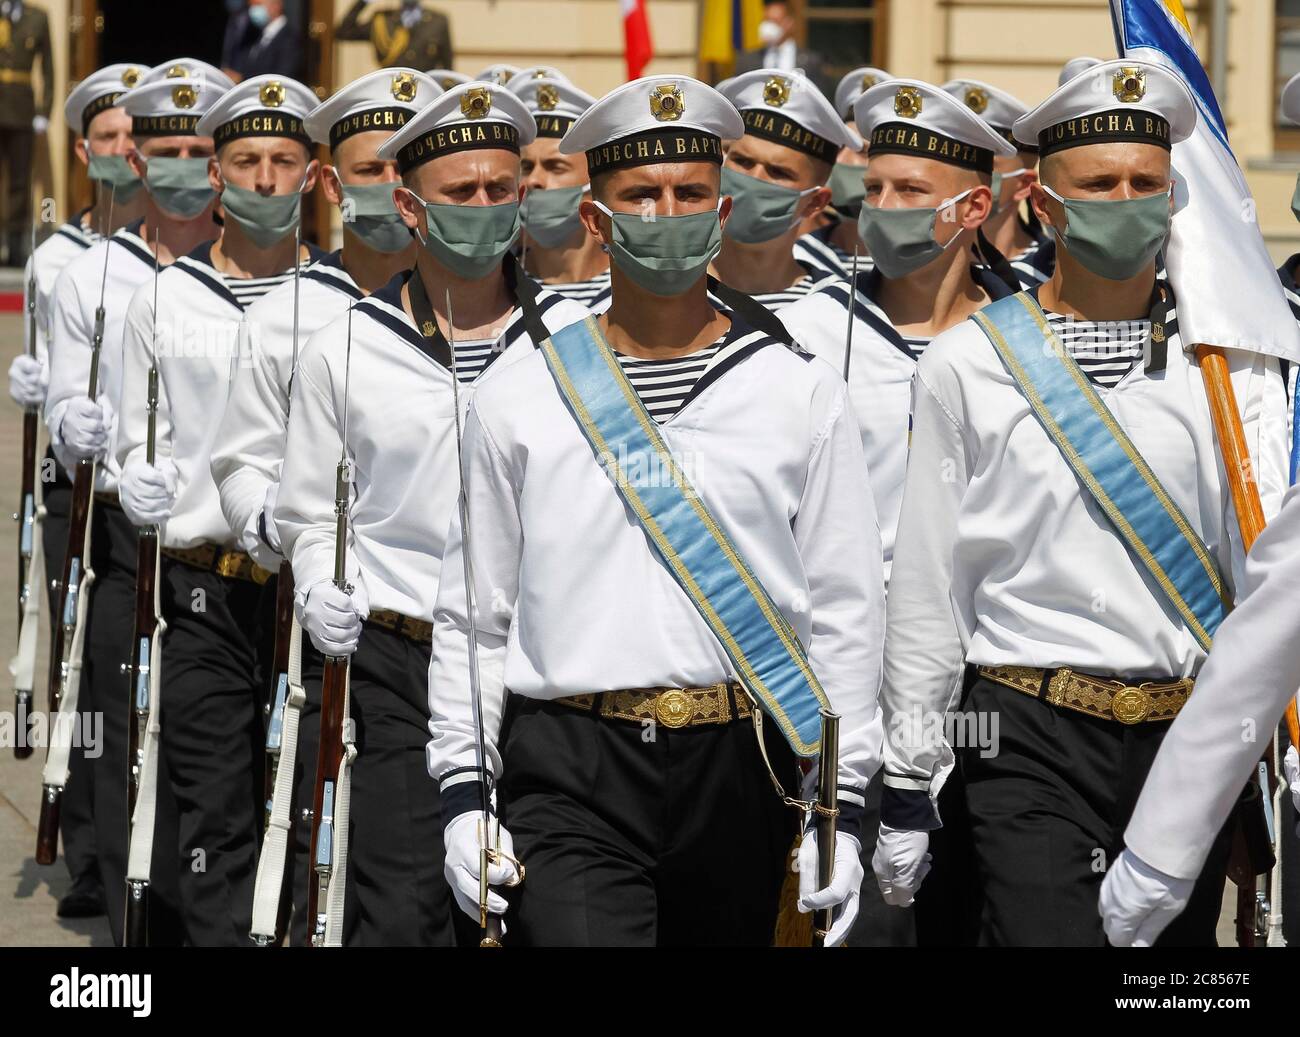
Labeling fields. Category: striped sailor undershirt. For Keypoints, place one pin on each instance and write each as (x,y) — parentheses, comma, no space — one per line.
(247,290)
(915,346)
(584,292)
(663,385)
(1105,350)
(472,356)
(778,300)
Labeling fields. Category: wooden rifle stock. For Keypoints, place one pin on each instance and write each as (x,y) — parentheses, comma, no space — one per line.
(328,756)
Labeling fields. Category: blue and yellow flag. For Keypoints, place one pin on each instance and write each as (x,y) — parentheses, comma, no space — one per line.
(727,27)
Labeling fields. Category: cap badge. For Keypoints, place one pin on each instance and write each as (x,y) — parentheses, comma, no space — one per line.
(776,91)
(476,102)
(977,100)
(907,102)
(544,73)
(272,94)
(447,82)
(547,97)
(177,72)
(1130,85)
(868,81)
(404,87)
(184,96)
(667,103)
(130,77)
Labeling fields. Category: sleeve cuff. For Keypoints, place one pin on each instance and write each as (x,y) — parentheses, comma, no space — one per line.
(907,809)
(460,793)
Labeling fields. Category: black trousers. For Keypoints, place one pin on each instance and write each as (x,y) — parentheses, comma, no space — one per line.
(110,632)
(16,150)
(397,895)
(1048,812)
(213,694)
(878,924)
(642,836)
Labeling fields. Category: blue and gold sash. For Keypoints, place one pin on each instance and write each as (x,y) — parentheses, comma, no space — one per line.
(757,638)
(1106,461)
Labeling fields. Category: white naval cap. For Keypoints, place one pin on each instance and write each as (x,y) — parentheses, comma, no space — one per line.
(996,107)
(170,107)
(382,100)
(787,108)
(556,104)
(188,68)
(520,79)
(909,117)
(263,106)
(854,84)
(1291,99)
(1114,101)
(447,77)
(471,116)
(653,120)
(98,92)
(500,73)
(1074,66)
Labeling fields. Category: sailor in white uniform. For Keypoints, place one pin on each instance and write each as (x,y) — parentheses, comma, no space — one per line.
(830,238)
(400,431)
(103,139)
(1059,604)
(1015,238)
(776,176)
(213,593)
(557,251)
(164,113)
(629,782)
(377,246)
(1251,675)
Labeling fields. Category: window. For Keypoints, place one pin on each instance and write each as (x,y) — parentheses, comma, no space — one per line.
(1286,63)
(847,34)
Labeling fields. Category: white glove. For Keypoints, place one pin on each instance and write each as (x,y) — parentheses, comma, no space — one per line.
(332,618)
(83,432)
(845,888)
(40,123)
(147,491)
(901,862)
(463,840)
(1291,768)
(28,380)
(1137,901)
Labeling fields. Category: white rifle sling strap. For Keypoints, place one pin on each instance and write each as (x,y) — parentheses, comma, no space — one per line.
(1275,936)
(55,774)
(23,665)
(140,854)
(269,884)
(342,808)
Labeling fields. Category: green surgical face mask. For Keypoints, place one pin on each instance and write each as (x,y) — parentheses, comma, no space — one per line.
(114,172)
(847,188)
(266,219)
(470,239)
(369,213)
(902,241)
(664,255)
(760,211)
(551,216)
(996,187)
(1114,238)
(179,186)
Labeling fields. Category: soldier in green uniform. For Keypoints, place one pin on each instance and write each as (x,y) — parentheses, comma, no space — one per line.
(24,36)
(411,35)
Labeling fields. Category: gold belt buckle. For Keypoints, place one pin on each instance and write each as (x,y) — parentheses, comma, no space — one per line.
(673,708)
(1131,705)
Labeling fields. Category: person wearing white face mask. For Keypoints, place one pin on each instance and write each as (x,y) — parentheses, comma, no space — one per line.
(776,176)
(1019,239)
(778,46)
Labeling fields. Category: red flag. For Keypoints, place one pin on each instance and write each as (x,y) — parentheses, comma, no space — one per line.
(636,36)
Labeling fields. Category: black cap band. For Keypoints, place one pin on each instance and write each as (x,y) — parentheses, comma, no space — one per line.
(1015,141)
(164,125)
(263,122)
(390,120)
(654,147)
(900,138)
(100,104)
(553,125)
(1116,126)
(458,136)
(779,129)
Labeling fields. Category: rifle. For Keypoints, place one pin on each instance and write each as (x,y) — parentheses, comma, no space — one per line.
(334,692)
(28,516)
(145,674)
(826,809)
(74,589)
